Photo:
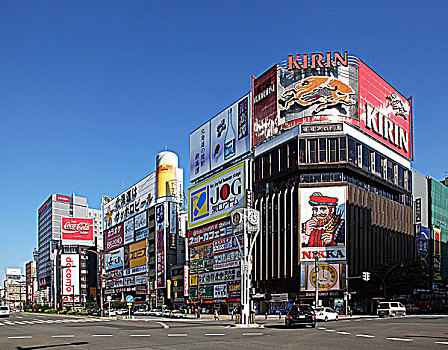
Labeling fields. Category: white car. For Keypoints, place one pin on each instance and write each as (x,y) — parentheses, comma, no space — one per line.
(166,313)
(326,314)
(4,311)
(155,312)
(391,308)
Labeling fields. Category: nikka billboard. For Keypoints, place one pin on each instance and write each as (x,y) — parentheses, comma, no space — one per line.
(216,197)
(332,87)
(323,223)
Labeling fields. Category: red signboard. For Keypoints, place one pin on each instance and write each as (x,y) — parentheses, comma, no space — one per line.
(62,198)
(114,237)
(208,233)
(77,231)
(265,106)
(384,113)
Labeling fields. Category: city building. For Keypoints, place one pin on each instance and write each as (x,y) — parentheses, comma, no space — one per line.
(48,265)
(220,171)
(31,282)
(142,236)
(15,288)
(332,179)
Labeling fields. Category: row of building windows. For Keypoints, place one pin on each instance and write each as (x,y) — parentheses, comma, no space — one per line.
(331,150)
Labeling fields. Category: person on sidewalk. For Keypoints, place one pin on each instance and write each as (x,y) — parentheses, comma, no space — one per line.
(216,315)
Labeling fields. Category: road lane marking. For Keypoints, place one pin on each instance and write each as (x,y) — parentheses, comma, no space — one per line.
(442,342)
(321,328)
(19,322)
(215,334)
(399,339)
(345,333)
(140,335)
(347,321)
(330,330)
(63,336)
(102,335)
(19,317)
(252,334)
(365,335)
(177,335)
(21,337)
(163,325)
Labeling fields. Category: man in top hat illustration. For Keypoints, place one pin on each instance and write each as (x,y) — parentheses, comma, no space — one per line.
(326,226)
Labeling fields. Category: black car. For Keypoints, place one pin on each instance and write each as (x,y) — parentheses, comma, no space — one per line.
(300,314)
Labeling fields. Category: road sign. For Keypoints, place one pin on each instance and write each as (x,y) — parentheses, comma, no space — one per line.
(109,298)
(366,276)
(129,298)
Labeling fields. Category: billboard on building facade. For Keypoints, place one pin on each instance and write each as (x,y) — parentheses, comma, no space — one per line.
(213,277)
(160,246)
(135,254)
(167,163)
(329,276)
(114,259)
(325,93)
(264,92)
(208,233)
(215,198)
(422,239)
(130,202)
(322,223)
(437,256)
(384,113)
(77,231)
(201,251)
(224,138)
(70,274)
(128,236)
(173,224)
(114,237)
(228,243)
(227,260)
(347,91)
(62,198)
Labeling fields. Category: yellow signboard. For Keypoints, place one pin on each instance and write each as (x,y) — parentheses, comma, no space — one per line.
(135,254)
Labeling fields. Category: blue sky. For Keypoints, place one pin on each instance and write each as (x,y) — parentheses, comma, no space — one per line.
(91,91)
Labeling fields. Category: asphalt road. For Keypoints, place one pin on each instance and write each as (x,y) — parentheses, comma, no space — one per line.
(37,331)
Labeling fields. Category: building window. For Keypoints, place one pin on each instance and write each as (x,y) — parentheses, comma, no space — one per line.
(284,157)
(343,149)
(333,150)
(312,149)
(266,166)
(274,162)
(322,150)
(365,158)
(292,153)
(257,169)
(400,177)
(352,152)
(390,171)
(378,164)
(302,151)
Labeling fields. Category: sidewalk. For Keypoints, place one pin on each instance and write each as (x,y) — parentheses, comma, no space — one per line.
(269,317)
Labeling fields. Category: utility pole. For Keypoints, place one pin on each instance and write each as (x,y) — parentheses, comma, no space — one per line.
(316,272)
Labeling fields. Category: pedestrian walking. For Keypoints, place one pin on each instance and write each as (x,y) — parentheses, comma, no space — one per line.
(216,315)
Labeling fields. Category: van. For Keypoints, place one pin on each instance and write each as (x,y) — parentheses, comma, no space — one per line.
(4,311)
(391,308)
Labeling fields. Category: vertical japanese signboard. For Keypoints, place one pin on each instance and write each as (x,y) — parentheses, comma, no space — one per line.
(160,246)
(173,224)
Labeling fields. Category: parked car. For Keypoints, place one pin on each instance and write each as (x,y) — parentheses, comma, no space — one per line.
(177,314)
(390,308)
(155,312)
(4,311)
(326,314)
(141,312)
(166,313)
(300,314)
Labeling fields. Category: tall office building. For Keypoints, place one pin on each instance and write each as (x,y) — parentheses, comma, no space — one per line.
(50,216)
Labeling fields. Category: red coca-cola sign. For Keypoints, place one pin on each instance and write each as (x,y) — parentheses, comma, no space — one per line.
(77,231)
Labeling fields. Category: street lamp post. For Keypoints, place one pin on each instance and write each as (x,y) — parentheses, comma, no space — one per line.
(400,264)
(101,255)
(316,272)
(247,221)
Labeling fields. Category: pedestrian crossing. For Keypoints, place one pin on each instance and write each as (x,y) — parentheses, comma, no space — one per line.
(49,321)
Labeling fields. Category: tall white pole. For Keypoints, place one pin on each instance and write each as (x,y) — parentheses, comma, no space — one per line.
(316,271)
